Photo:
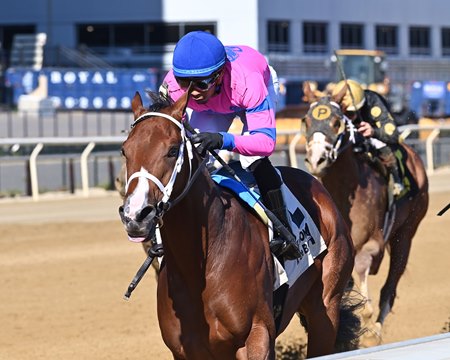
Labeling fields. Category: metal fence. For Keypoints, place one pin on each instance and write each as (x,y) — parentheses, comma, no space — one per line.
(15,124)
(33,165)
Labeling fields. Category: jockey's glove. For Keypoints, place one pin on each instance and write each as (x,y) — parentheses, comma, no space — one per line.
(207,141)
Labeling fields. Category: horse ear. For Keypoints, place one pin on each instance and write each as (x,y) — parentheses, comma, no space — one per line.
(136,105)
(179,108)
(308,93)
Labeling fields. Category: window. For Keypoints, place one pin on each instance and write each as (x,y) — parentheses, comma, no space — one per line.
(278,36)
(445,40)
(137,34)
(194,27)
(94,34)
(161,34)
(7,33)
(352,36)
(387,39)
(419,41)
(315,39)
(129,35)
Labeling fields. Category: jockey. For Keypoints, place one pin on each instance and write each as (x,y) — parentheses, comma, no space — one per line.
(229,82)
(369,112)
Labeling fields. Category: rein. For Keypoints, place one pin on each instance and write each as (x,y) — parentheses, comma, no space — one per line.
(336,150)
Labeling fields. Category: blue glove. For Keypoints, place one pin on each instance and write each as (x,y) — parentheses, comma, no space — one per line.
(207,141)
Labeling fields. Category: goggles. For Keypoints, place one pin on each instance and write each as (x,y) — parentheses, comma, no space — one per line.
(198,84)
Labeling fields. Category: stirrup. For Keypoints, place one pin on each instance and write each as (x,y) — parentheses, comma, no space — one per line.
(290,251)
(284,249)
(276,245)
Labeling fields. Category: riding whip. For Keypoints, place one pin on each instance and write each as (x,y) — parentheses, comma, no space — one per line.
(278,225)
(344,77)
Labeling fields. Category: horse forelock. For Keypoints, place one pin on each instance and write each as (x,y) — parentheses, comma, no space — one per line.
(159,101)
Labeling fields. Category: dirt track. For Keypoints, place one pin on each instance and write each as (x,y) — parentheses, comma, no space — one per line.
(65,264)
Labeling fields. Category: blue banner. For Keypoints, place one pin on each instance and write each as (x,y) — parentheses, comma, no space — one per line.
(85,89)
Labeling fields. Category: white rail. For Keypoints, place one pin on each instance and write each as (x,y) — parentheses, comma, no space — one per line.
(405,131)
(92,141)
(39,143)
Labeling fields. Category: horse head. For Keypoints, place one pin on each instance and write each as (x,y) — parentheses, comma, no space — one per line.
(154,152)
(324,126)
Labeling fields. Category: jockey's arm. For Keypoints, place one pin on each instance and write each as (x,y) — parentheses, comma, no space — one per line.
(382,121)
(260,136)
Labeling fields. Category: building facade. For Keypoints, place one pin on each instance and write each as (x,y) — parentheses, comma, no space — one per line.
(297,36)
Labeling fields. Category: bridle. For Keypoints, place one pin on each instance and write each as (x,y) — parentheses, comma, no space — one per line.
(165,204)
(347,127)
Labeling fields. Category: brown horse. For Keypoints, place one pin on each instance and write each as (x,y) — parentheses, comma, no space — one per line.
(361,194)
(215,287)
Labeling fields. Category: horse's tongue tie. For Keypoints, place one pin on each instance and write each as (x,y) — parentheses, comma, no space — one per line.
(136,239)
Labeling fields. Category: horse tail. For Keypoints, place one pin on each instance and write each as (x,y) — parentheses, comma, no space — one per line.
(350,329)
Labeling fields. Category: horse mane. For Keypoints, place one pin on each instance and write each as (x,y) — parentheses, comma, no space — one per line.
(159,101)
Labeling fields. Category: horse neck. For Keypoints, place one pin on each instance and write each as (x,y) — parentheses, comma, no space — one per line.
(342,178)
(190,227)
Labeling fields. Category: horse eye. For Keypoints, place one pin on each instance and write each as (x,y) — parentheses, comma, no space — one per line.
(122,152)
(173,151)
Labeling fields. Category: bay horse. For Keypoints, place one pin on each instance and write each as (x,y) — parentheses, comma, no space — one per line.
(215,286)
(361,194)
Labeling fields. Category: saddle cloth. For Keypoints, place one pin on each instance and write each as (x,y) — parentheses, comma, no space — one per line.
(309,239)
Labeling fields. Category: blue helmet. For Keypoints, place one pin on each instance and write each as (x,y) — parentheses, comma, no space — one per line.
(198,54)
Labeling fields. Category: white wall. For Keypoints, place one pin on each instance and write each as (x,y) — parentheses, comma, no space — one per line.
(236,19)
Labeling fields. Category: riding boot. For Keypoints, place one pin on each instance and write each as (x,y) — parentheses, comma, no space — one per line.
(389,160)
(282,247)
(398,184)
(269,184)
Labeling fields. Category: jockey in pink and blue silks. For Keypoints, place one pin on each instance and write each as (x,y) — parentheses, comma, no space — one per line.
(229,82)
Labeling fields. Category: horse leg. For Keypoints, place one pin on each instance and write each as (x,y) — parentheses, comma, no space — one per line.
(259,345)
(322,319)
(400,248)
(363,261)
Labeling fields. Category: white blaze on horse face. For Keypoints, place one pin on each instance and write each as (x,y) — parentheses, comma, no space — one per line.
(137,200)
(317,150)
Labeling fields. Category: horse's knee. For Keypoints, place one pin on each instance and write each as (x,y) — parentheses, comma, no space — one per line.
(259,345)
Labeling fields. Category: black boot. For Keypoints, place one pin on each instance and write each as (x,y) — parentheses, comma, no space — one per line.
(398,184)
(388,158)
(282,247)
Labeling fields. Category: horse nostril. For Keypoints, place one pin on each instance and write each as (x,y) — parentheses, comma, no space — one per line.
(146,211)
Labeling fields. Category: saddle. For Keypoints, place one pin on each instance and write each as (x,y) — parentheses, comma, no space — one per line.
(308,237)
